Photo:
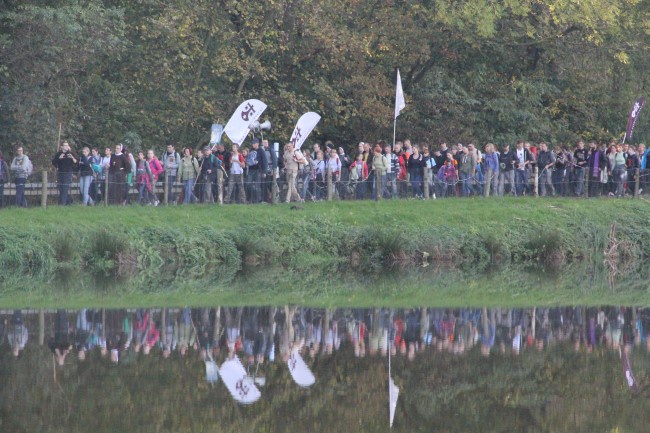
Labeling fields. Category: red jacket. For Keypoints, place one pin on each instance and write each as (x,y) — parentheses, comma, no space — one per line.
(364,170)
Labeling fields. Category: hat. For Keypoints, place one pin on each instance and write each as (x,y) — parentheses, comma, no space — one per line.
(256,140)
(206,148)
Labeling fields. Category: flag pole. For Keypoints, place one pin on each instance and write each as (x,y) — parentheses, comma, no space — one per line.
(394,129)
(390,428)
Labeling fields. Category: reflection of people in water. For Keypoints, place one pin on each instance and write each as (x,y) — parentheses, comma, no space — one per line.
(82,333)
(151,337)
(184,331)
(314,332)
(233,325)
(119,332)
(332,337)
(412,334)
(17,334)
(60,343)
(255,333)
(169,339)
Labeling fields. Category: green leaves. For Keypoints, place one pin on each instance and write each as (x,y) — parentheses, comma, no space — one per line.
(472,69)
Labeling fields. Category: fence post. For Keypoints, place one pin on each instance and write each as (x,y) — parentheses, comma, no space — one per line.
(44,191)
(536,181)
(427,172)
(488,183)
(329,184)
(106,190)
(41,327)
(275,193)
(166,193)
(377,185)
(637,179)
(220,186)
(586,191)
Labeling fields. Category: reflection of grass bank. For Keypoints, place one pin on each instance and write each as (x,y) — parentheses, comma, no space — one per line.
(511,285)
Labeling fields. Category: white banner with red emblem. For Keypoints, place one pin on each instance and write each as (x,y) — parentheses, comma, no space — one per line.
(239,384)
(248,112)
(299,370)
(305,125)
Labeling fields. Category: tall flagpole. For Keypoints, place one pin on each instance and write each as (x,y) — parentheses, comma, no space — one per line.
(388,347)
(394,129)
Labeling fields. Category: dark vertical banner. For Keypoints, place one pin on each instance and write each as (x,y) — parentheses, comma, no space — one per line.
(634,115)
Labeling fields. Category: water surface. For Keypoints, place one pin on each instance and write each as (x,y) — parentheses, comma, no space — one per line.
(536,369)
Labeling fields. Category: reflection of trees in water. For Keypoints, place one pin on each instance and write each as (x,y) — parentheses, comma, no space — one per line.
(555,389)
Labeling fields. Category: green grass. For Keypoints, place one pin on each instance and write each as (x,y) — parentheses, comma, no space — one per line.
(499,212)
(325,254)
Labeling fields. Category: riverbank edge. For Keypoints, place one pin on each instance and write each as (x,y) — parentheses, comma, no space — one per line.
(362,236)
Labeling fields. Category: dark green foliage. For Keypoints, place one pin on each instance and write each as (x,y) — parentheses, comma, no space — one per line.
(23,253)
(145,73)
(66,246)
(106,249)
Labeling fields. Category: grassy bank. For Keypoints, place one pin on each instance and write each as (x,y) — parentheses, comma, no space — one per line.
(211,243)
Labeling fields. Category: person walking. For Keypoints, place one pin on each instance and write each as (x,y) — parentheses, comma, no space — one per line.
(171,161)
(22,168)
(65,163)
(85,176)
(187,173)
(292,159)
(4,177)
(236,165)
(119,168)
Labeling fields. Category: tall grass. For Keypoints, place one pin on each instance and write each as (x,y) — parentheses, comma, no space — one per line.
(360,234)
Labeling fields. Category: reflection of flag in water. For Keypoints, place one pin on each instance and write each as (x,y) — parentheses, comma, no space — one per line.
(627,369)
(300,372)
(211,371)
(393,393)
(241,387)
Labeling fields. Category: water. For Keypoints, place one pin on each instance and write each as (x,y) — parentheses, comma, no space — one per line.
(537,369)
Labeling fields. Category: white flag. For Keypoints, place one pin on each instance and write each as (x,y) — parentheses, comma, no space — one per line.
(216,131)
(399,96)
(393,393)
(248,112)
(305,125)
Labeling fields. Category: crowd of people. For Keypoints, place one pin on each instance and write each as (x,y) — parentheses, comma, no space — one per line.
(262,334)
(264,173)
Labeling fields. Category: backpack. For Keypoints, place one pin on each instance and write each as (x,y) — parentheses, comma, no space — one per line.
(251,158)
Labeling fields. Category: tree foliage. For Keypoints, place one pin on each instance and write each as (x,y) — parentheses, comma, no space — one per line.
(150,72)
